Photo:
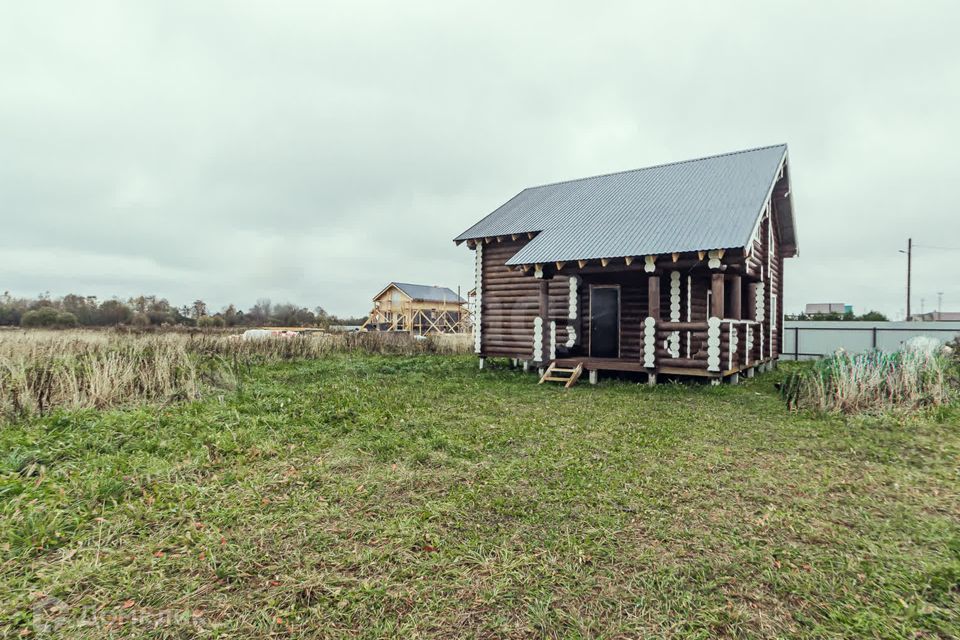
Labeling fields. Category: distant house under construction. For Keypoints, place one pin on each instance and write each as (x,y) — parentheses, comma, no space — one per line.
(418,308)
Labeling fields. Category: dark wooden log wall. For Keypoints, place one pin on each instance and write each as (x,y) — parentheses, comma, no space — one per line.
(776,287)
(700,284)
(633,309)
(760,256)
(510,301)
(765,270)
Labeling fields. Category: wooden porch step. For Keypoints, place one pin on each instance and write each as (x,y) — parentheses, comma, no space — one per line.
(569,381)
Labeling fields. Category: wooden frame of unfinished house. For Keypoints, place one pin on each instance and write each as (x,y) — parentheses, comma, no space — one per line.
(420,309)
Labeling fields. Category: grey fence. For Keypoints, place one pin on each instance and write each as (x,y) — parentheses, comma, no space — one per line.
(807,340)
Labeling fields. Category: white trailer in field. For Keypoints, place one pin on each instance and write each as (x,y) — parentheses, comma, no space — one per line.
(262,334)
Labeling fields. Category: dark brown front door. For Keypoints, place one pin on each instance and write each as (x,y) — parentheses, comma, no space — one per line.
(605,322)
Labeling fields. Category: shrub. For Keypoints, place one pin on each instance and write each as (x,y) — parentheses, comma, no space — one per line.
(49,318)
(9,315)
(210,321)
(140,320)
(113,312)
(66,320)
(953,349)
(42,317)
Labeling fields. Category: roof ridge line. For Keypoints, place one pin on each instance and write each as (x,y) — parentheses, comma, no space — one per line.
(417,284)
(654,166)
(438,287)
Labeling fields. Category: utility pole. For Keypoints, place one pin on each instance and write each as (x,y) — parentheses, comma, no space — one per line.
(909,261)
(939,302)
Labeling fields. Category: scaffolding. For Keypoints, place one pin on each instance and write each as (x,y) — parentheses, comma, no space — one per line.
(402,307)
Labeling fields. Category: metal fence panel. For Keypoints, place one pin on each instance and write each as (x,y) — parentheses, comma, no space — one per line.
(807,340)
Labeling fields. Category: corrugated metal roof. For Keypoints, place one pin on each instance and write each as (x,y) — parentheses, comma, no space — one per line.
(428,293)
(709,203)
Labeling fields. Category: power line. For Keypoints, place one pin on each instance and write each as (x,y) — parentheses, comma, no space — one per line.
(926,246)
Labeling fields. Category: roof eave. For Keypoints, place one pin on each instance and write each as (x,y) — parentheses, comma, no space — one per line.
(789,246)
(468,235)
(512,262)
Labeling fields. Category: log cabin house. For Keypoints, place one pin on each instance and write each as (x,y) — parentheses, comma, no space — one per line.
(675,269)
(418,308)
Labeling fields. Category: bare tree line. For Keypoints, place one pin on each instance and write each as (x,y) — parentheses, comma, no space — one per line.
(74,310)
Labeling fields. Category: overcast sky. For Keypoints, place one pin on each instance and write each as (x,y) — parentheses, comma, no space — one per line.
(312,151)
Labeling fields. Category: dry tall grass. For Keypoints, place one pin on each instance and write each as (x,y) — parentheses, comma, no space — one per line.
(45,370)
(872,382)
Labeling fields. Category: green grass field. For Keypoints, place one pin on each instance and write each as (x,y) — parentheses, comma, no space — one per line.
(377,496)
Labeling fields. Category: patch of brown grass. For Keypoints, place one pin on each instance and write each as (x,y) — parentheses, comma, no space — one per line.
(41,371)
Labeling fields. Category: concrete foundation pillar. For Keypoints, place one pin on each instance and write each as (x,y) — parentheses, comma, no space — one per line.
(483,361)
(735,378)
(593,376)
(652,379)
(526,366)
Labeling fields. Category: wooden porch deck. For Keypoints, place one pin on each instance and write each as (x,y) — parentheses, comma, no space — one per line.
(618,364)
(601,364)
